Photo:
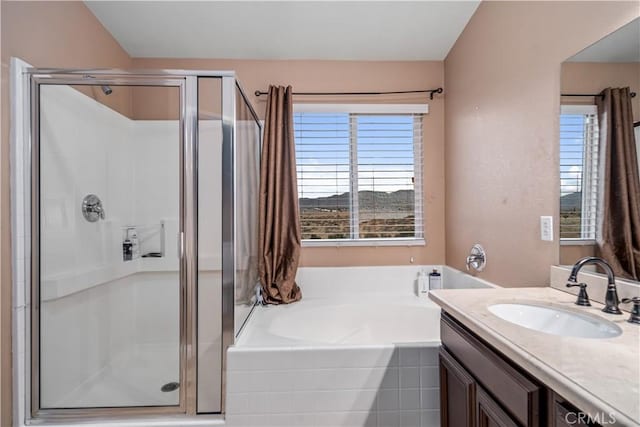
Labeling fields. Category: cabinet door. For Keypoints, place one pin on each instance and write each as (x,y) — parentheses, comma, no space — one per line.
(457,393)
(489,413)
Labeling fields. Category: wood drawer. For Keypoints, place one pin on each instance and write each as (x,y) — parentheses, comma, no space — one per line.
(516,393)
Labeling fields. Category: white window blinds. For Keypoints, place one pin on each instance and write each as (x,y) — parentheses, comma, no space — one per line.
(359,175)
(323,165)
(578,172)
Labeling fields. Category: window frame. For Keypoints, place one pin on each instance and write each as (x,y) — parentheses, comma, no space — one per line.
(355,240)
(587,173)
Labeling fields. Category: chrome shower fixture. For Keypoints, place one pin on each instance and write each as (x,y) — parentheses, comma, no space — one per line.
(477,258)
(106,89)
(92,209)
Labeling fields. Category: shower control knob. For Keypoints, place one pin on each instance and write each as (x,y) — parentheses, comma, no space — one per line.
(92,209)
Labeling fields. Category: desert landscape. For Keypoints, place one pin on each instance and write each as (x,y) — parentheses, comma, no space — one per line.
(381,215)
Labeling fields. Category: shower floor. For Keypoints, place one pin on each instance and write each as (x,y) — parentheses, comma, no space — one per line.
(132,378)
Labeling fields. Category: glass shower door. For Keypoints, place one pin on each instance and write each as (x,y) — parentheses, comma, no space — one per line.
(108,278)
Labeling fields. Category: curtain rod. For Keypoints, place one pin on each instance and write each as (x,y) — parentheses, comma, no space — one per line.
(431,92)
(632,94)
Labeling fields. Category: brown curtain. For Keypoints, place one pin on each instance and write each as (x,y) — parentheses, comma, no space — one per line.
(619,237)
(279,220)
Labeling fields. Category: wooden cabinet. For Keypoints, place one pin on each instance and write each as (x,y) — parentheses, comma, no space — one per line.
(479,387)
(457,393)
(463,402)
(504,385)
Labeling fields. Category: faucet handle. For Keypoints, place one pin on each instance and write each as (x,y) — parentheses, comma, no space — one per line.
(583,297)
(635,311)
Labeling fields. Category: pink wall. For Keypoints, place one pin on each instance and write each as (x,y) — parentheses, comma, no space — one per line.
(592,77)
(569,254)
(503,95)
(353,76)
(47,34)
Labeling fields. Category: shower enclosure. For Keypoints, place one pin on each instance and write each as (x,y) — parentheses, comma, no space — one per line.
(141,194)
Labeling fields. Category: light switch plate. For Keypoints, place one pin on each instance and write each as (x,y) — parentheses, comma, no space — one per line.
(546,228)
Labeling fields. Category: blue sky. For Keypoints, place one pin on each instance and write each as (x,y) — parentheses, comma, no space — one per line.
(385,153)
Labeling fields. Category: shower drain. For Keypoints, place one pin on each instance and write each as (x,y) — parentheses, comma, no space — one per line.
(169,387)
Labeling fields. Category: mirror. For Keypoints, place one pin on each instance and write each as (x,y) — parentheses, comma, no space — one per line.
(614,62)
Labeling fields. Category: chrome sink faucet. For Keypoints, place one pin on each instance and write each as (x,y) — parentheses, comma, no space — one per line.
(611,300)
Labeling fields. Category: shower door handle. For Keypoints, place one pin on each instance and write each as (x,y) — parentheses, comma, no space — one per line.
(181,245)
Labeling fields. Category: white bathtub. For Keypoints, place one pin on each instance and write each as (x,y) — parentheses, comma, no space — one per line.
(358,321)
(360,349)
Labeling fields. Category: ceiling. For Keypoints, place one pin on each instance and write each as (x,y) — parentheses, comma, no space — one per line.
(342,30)
(622,45)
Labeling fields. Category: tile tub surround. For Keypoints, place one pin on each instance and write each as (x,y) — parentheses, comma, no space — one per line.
(348,362)
(597,375)
(383,386)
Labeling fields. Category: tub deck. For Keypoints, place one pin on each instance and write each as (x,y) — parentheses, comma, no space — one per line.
(351,321)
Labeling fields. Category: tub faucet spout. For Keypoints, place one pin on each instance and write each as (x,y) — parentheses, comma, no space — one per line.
(611,300)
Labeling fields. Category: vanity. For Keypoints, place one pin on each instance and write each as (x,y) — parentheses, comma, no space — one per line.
(499,368)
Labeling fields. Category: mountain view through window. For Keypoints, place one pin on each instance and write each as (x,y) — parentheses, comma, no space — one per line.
(374,157)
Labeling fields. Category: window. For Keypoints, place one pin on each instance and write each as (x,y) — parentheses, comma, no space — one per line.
(360,171)
(578,172)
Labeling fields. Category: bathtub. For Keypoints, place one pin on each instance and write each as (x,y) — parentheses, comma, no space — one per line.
(351,321)
(360,349)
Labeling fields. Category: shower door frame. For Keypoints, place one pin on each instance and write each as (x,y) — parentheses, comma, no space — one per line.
(187,83)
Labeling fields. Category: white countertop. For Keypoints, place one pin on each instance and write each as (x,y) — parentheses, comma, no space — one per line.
(597,375)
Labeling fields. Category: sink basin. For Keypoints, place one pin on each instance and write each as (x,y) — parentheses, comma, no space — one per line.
(555,321)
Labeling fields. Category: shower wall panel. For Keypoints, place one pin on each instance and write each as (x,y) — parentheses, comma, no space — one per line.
(84,146)
(209,245)
(247,197)
(132,166)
